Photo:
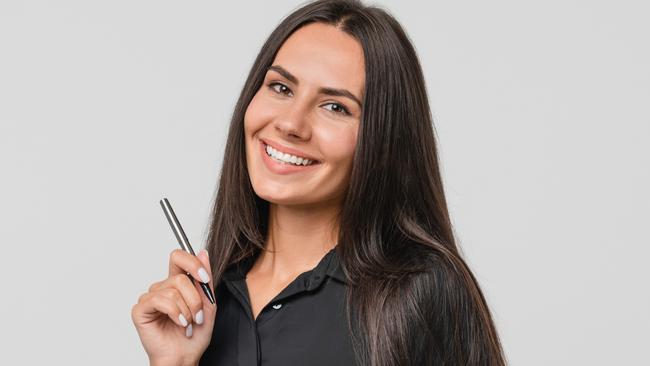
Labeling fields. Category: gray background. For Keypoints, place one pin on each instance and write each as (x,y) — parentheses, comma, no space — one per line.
(542,114)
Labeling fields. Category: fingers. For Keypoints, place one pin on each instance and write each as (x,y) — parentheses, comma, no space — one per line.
(181,262)
(203,258)
(153,303)
(184,318)
(181,289)
(177,299)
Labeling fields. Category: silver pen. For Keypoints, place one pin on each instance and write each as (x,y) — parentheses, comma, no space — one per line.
(182,241)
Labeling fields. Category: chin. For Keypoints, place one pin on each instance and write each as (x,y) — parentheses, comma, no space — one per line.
(279,195)
(286,201)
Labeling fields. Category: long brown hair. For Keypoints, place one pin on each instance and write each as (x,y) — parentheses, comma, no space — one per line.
(412,300)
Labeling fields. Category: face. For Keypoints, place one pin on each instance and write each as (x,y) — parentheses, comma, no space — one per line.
(308,107)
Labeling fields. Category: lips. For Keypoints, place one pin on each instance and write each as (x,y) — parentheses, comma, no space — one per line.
(289,150)
(277,167)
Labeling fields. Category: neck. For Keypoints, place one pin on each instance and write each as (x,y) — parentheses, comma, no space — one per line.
(297,239)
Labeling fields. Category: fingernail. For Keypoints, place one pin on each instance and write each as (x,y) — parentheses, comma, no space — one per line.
(188,331)
(182,320)
(204,275)
(206,253)
(199,317)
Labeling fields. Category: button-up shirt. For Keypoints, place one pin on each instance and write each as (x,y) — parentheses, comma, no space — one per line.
(305,324)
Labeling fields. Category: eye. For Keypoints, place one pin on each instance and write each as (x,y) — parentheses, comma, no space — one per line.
(341,109)
(282,87)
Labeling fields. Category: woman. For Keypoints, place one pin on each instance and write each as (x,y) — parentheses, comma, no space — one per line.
(330,241)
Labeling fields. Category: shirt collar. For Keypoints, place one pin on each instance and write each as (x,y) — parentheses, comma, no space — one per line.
(335,269)
(329,265)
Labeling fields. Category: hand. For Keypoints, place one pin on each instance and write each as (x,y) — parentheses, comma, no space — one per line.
(174,319)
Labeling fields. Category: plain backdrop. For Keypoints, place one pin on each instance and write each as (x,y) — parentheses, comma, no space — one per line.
(542,112)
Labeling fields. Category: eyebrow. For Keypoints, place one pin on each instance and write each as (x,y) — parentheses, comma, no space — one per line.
(323,90)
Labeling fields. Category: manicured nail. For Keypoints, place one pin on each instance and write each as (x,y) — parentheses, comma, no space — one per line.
(182,320)
(199,317)
(188,331)
(204,275)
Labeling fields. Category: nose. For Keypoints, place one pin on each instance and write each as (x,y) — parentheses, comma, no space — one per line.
(293,122)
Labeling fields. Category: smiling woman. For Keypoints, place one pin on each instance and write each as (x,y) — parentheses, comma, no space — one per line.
(307,108)
(330,241)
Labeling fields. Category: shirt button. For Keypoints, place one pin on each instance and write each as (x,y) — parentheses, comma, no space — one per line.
(277,306)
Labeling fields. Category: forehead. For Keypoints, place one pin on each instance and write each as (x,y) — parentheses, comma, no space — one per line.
(321,55)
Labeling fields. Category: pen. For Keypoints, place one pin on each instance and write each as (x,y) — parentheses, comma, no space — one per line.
(182,240)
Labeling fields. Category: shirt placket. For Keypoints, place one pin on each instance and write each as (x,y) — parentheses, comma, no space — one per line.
(250,327)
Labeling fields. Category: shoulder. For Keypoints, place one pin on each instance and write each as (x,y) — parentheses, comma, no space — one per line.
(446,291)
(454,314)
(420,308)
(429,291)
(444,273)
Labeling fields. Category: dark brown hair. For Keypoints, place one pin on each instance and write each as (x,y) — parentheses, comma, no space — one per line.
(412,300)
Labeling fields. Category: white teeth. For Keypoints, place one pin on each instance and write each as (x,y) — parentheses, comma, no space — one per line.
(287,158)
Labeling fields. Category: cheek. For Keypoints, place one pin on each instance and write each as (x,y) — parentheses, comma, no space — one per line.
(252,115)
(258,113)
(340,144)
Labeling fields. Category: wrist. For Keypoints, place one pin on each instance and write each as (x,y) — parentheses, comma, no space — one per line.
(173,363)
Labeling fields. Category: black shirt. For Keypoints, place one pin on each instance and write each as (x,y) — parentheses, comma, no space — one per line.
(305,324)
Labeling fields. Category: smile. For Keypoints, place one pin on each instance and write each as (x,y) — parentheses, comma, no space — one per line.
(286,158)
(282,164)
